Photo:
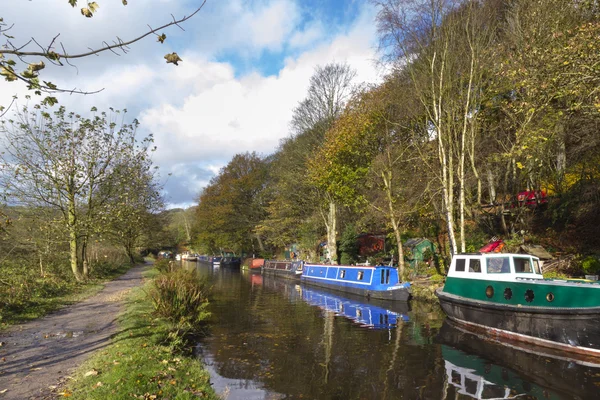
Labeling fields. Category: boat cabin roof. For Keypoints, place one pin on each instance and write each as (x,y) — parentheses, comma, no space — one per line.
(495,266)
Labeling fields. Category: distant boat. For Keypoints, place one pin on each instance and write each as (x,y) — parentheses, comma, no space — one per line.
(284,268)
(256,265)
(189,257)
(231,262)
(178,257)
(506,296)
(377,282)
(216,261)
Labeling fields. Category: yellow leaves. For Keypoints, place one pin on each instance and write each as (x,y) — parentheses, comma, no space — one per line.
(519,165)
(162,38)
(172,58)
(89,11)
(8,74)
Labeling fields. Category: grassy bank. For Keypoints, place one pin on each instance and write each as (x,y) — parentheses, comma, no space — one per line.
(26,293)
(143,361)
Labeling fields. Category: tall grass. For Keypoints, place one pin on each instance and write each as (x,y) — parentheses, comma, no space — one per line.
(181,297)
(28,291)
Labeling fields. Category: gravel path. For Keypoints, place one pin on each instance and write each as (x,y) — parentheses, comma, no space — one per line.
(37,357)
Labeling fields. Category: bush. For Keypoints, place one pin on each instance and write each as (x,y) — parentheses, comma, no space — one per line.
(182,298)
(163,265)
(590,265)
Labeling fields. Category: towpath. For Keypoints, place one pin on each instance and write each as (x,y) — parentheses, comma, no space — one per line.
(37,357)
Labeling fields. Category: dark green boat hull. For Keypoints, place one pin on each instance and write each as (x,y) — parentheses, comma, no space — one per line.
(573,329)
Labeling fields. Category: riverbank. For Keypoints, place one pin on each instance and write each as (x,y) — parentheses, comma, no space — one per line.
(27,295)
(142,360)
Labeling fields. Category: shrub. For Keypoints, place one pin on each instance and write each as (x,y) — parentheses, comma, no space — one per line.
(182,298)
(590,265)
(163,265)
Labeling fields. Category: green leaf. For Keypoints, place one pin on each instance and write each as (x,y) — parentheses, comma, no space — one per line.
(73,3)
(162,38)
(50,101)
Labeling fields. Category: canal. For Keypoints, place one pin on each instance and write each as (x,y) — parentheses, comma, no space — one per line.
(271,338)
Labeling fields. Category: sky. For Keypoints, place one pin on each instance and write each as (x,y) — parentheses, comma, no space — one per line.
(246,65)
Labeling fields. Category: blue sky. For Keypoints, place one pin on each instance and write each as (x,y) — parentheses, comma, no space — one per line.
(246,65)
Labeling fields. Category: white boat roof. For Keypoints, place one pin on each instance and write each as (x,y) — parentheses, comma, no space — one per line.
(496,266)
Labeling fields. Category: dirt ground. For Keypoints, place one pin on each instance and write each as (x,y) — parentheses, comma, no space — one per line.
(37,357)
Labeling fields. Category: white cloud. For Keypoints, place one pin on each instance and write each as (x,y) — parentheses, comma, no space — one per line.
(202,112)
(308,36)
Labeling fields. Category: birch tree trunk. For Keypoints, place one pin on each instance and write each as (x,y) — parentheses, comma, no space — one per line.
(387,181)
(331,232)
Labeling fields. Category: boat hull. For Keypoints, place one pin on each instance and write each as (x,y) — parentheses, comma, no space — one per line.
(400,294)
(283,269)
(576,330)
(379,282)
(231,262)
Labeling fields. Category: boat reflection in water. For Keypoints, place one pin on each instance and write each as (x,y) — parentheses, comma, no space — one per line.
(482,369)
(373,314)
(361,312)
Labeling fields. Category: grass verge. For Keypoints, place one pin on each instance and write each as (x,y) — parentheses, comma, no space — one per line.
(25,296)
(140,362)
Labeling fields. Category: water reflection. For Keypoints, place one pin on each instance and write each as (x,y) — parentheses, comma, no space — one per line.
(483,369)
(273,339)
(267,338)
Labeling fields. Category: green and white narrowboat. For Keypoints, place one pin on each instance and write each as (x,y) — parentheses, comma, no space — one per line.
(506,296)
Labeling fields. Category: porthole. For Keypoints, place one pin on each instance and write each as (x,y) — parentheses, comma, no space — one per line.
(489,292)
(550,297)
(529,295)
(508,293)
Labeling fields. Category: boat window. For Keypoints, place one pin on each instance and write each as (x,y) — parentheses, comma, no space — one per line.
(498,265)
(382,276)
(523,265)
(474,265)
(460,265)
(536,267)
(342,273)
(387,276)
(360,275)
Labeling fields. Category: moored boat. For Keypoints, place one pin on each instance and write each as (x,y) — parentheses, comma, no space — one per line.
(189,257)
(284,268)
(256,265)
(216,261)
(377,282)
(506,296)
(231,262)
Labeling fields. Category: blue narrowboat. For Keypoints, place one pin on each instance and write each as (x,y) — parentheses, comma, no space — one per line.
(379,282)
(364,314)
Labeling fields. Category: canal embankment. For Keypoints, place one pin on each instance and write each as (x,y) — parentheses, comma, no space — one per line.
(148,357)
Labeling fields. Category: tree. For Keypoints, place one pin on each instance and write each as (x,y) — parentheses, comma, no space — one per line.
(230,207)
(367,150)
(440,45)
(71,164)
(18,63)
(329,89)
(136,204)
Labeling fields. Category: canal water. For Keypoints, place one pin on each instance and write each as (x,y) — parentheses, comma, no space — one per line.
(271,338)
